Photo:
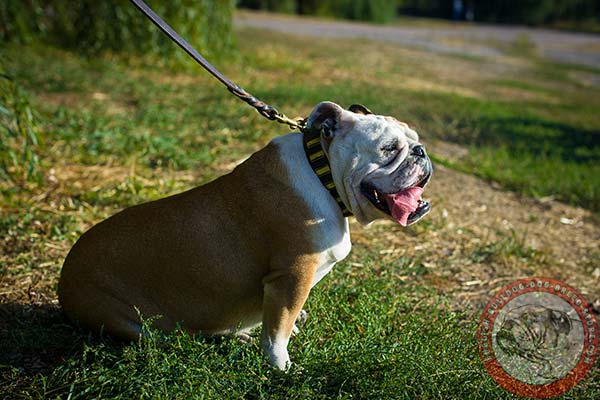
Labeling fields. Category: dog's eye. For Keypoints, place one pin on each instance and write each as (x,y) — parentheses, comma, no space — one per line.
(390,148)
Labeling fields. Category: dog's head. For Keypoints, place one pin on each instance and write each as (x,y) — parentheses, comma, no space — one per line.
(378,165)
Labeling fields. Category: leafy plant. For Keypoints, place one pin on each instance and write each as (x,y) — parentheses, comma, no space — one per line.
(375,10)
(93,27)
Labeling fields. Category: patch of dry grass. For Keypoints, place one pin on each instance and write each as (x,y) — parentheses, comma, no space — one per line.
(479,237)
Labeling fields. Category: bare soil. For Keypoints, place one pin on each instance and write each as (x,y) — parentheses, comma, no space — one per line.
(482,237)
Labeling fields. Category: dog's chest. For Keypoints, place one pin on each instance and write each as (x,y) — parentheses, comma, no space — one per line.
(322,271)
(332,255)
(327,231)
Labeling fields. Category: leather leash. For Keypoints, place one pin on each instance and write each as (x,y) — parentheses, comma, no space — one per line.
(263,108)
(311,138)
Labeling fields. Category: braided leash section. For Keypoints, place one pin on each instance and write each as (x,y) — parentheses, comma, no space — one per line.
(263,108)
(318,159)
(267,111)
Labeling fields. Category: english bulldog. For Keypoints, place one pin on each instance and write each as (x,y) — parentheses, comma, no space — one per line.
(247,248)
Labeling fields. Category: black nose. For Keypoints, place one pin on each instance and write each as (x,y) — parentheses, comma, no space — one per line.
(418,151)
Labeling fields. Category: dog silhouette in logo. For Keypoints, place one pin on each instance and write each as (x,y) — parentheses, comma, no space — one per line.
(537,334)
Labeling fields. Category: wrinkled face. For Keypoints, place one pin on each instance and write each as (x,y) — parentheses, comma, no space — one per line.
(377,163)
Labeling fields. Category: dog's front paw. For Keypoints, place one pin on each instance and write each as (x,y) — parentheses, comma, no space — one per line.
(279,360)
(276,350)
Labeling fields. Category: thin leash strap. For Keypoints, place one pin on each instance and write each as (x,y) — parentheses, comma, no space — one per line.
(317,159)
(264,109)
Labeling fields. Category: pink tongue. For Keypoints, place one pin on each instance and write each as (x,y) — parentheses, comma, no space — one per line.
(403,203)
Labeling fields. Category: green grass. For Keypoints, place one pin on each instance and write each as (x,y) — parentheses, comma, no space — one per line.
(366,337)
(530,153)
(18,137)
(544,140)
(119,133)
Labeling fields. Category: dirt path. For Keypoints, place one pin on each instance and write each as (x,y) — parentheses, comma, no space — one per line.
(462,39)
(484,237)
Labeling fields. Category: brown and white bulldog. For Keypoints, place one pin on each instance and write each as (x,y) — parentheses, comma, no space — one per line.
(248,247)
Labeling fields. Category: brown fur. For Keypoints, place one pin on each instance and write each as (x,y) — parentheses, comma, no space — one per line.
(211,259)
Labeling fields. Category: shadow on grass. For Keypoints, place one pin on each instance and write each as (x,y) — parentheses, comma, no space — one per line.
(538,136)
(533,155)
(35,338)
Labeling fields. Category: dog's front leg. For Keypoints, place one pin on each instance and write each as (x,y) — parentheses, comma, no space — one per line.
(285,291)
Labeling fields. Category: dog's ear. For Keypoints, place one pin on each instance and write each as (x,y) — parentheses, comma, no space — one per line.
(325,117)
(359,109)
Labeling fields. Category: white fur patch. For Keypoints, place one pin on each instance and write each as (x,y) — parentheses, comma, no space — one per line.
(327,227)
(276,349)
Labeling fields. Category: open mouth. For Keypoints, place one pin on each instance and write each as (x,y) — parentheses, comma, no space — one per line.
(406,206)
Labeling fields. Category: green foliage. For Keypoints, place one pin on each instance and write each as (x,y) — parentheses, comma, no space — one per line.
(374,10)
(18,134)
(533,12)
(93,27)
(286,6)
(369,10)
(509,11)
(21,20)
(431,8)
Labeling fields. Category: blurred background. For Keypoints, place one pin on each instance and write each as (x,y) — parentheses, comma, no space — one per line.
(113,25)
(533,12)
